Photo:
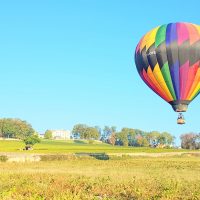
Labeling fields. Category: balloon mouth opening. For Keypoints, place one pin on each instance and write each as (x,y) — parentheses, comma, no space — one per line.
(180,105)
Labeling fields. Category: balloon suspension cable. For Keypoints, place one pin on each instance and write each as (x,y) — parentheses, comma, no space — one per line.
(180,116)
(180,119)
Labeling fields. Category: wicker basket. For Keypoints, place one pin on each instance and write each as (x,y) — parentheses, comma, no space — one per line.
(180,121)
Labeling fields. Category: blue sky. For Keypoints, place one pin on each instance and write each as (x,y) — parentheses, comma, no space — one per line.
(68,62)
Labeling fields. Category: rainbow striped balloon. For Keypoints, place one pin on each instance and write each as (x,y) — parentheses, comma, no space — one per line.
(168,61)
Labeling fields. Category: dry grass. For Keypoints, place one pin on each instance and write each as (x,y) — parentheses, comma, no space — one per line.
(90,179)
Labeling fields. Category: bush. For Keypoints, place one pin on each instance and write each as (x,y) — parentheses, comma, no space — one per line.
(3,158)
(30,141)
(48,134)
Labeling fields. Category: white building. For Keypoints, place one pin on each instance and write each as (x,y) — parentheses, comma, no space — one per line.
(41,135)
(60,134)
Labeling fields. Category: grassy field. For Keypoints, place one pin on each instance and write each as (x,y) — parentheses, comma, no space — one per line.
(50,146)
(88,178)
(92,179)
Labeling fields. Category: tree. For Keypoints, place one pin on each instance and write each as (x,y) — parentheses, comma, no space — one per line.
(98,129)
(107,131)
(165,138)
(130,135)
(48,134)
(85,132)
(141,141)
(153,138)
(122,138)
(1,127)
(31,140)
(112,139)
(140,132)
(78,130)
(90,133)
(15,128)
(190,141)
(197,141)
(156,138)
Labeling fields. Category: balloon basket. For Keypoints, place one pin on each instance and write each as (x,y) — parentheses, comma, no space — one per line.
(180,119)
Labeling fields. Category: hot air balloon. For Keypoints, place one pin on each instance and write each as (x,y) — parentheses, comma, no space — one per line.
(168,61)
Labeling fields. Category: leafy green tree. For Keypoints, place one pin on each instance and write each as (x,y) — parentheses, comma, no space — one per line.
(31,140)
(9,128)
(140,132)
(153,138)
(166,138)
(15,128)
(48,134)
(85,132)
(78,130)
(91,133)
(122,138)
(130,135)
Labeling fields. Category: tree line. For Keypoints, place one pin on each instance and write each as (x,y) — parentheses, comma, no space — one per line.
(20,129)
(124,137)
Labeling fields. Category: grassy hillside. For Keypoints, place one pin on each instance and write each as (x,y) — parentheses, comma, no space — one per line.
(70,146)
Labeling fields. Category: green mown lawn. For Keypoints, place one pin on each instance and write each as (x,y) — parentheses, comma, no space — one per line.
(70,146)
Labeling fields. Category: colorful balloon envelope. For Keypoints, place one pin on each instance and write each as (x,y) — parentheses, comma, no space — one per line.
(168,60)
